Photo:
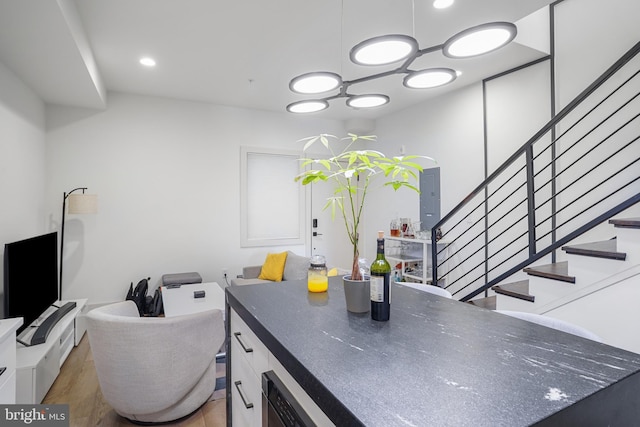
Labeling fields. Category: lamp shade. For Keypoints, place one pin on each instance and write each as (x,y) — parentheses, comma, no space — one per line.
(83,203)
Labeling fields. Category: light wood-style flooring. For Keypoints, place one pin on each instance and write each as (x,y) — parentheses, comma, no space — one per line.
(78,386)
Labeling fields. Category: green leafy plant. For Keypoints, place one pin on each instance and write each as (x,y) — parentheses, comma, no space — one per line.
(351,172)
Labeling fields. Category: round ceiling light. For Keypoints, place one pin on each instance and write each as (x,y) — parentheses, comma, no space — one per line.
(148,61)
(432,77)
(308,106)
(383,50)
(442,4)
(367,101)
(479,40)
(316,82)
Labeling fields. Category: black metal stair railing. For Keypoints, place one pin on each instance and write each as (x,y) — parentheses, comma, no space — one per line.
(580,169)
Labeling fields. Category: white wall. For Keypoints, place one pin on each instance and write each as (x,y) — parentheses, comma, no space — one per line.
(167,177)
(22,162)
(448,129)
(585,48)
(590,36)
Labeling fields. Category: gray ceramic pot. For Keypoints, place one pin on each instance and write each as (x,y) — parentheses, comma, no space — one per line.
(357,294)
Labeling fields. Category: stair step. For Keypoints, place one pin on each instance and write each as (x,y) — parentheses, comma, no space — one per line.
(516,289)
(604,249)
(489,302)
(626,222)
(555,271)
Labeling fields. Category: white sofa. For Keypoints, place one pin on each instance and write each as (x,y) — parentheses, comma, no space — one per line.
(154,369)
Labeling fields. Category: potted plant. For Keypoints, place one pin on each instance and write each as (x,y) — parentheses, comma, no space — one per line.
(351,172)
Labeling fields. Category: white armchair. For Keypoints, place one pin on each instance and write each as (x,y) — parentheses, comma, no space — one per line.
(154,369)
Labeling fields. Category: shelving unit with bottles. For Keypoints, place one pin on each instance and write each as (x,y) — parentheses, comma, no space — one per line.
(410,258)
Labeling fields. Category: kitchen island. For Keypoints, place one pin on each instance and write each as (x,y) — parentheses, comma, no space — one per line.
(436,362)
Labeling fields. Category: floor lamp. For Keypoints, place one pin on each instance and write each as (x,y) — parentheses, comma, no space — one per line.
(78,204)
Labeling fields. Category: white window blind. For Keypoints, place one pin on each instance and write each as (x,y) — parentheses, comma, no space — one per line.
(272,204)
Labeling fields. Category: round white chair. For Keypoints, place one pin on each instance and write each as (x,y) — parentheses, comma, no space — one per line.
(154,369)
(427,288)
(551,322)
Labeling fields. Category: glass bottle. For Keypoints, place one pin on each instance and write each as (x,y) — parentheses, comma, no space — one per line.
(380,289)
(317,280)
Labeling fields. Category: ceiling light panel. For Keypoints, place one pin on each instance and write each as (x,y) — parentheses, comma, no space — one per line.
(383,50)
(429,78)
(316,82)
(479,40)
(367,101)
(308,106)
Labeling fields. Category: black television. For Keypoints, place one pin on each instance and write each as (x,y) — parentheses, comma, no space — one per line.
(30,277)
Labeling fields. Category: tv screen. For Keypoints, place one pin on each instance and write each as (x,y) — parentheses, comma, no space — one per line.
(30,277)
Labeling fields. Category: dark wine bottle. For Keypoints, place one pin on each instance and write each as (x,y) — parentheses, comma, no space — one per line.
(380,290)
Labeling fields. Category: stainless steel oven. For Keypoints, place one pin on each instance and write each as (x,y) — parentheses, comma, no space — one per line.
(279,406)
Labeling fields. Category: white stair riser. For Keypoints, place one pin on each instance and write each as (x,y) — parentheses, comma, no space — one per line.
(588,269)
(629,242)
(505,302)
(605,312)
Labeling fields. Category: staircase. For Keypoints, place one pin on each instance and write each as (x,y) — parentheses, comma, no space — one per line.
(575,290)
(530,237)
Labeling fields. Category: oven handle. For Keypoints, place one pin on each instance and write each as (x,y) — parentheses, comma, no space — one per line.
(247,405)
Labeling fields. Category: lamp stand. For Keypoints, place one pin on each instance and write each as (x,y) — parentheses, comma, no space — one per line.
(64,205)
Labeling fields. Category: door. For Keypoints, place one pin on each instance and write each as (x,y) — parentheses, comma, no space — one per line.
(328,236)
(429,198)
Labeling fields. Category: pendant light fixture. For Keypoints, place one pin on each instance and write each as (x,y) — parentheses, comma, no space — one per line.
(389,49)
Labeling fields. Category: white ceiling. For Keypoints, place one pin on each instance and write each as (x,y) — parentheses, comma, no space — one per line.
(240,53)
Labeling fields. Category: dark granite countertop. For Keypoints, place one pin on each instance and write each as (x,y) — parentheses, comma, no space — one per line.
(438,362)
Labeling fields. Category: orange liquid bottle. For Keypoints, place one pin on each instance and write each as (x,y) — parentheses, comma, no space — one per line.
(317,280)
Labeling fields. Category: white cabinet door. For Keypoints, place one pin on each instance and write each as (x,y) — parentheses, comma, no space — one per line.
(246,392)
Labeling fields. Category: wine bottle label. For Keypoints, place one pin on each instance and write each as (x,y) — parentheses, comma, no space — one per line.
(377,288)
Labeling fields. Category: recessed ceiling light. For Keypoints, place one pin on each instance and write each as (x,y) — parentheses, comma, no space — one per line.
(479,40)
(432,77)
(367,101)
(442,4)
(383,50)
(148,62)
(316,82)
(308,106)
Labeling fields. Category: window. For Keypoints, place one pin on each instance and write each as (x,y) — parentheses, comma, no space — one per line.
(271,202)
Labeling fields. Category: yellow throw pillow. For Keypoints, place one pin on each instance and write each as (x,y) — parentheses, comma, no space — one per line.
(273,267)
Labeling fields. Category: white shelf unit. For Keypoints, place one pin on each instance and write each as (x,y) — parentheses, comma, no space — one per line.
(8,329)
(411,258)
(38,366)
